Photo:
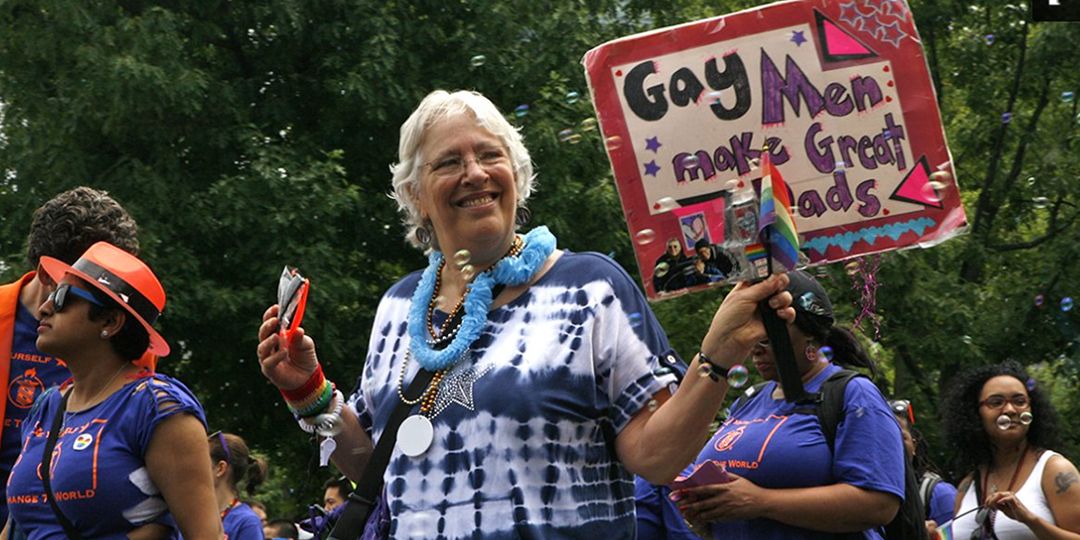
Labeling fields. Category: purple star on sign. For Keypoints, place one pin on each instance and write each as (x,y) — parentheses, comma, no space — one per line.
(653,143)
(798,38)
(651,168)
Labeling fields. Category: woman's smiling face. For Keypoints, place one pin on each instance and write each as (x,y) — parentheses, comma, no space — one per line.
(467,187)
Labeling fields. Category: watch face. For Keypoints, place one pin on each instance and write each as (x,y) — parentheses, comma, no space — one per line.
(292,297)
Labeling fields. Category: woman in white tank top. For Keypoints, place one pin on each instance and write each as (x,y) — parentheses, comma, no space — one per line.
(1003,426)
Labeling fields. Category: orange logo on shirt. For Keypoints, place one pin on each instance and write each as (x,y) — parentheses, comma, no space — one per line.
(729,438)
(25,387)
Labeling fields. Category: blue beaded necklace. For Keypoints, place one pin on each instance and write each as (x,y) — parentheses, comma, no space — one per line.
(513,270)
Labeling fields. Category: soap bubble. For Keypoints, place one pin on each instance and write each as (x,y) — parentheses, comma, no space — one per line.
(989,38)
(569,136)
(738,376)
(666,204)
(826,352)
(1004,422)
(690,161)
(1006,117)
(613,143)
(1039,300)
(588,124)
(462,257)
(521,110)
(572,97)
(1026,418)
(1040,202)
(645,236)
(1066,304)
(661,269)
(1067,97)
(477,60)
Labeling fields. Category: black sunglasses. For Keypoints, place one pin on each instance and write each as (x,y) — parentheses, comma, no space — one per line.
(224,445)
(60,298)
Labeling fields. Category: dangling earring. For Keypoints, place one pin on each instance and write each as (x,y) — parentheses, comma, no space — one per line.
(811,353)
(423,235)
(104,334)
(522,216)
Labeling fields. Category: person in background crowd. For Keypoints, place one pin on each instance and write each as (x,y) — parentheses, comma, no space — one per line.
(566,366)
(1004,429)
(233,462)
(259,509)
(335,490)
(146,432)
(281,528)
(786,481)
(62,228)
(937,495)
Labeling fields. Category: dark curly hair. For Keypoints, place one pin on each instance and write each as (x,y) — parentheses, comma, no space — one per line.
(963,426)
(69,223)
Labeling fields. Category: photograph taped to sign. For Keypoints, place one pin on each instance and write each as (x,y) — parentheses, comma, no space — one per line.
(840,93)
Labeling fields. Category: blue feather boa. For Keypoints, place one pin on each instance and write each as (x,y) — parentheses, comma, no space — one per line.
(539,244)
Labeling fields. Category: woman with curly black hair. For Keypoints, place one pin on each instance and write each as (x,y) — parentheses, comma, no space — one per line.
(1003,427)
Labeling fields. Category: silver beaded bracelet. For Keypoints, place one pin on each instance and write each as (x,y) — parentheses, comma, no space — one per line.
(326,424)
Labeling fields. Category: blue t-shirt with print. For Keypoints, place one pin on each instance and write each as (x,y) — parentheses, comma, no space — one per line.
(32,371)
(242,523)
(524,422)
(774,446)
(99,474)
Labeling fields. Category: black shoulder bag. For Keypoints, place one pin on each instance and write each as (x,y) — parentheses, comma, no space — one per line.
(46,474)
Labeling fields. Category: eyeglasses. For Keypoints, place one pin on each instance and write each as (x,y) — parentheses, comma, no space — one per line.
(59,297)
(224,446)
(453,166)
(996,401)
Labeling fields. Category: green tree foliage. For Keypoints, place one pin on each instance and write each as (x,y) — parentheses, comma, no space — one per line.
(248,135)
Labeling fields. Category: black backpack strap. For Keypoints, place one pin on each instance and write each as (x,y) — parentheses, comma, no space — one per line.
(46,465)
(926,487)
(830,402)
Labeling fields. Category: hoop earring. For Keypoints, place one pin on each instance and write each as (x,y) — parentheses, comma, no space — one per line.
(522,216)
(422,235)
(811,353)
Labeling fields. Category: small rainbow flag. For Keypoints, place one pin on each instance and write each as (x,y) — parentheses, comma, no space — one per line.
(755,251)
(776,226)
(944,533)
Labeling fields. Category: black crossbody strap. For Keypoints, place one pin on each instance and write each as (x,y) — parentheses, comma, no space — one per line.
(358,505)
(350,524)
(46,474)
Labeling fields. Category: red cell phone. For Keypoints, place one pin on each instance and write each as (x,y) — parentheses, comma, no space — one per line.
(292,298)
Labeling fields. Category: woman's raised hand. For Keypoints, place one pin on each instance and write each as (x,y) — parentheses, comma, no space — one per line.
(736,326)
(287,367)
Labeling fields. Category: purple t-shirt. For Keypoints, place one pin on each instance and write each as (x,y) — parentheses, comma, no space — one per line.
(99,474)
(942,501)
(31,373)
(774,446)
(241,523)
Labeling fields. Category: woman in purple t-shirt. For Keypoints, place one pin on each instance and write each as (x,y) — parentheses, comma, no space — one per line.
(787,481)
(128,456)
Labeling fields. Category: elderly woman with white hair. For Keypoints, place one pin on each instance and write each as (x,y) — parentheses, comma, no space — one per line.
(551,381)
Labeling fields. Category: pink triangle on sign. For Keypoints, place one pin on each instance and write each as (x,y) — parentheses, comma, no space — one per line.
(839,42)
(915,187)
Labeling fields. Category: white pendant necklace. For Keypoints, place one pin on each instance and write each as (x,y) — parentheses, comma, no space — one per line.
(415,435)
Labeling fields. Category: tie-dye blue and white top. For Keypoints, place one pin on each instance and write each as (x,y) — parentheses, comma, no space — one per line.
(525,423)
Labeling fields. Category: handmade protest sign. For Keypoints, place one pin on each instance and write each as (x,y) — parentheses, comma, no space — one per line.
(840,94)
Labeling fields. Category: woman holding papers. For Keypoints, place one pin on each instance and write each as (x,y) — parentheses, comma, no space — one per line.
(786,479)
